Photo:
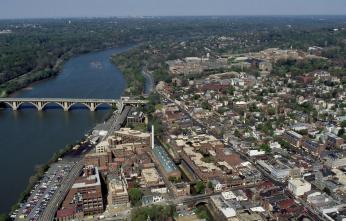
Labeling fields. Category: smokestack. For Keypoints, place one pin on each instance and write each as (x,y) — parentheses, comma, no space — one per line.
(152,137)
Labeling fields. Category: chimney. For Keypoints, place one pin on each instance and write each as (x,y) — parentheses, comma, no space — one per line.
(152,137)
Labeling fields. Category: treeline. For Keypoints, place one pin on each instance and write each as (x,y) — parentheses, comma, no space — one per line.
(298,67)
(132,68)
(35,48)
(154,213)
(233,35)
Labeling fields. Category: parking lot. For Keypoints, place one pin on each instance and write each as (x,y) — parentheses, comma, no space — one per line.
(43,191)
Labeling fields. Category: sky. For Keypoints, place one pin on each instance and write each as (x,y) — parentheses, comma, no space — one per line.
(109,8)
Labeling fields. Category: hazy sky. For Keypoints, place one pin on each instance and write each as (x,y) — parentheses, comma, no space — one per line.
(101,8)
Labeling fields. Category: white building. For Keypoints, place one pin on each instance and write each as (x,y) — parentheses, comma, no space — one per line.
(299,186)
(254,153)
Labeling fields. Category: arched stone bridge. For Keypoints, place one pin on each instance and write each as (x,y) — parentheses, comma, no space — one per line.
(67,103)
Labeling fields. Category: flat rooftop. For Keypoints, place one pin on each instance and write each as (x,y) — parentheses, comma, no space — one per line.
(164,159)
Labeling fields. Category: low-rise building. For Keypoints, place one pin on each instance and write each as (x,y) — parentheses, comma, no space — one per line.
(135,117)
(335,161)
(127,135)
(298,186)
(293,138)
(222,207)
(313,147)
(166,164)
(151,177)
(117,192)
(276,168)
(333,141)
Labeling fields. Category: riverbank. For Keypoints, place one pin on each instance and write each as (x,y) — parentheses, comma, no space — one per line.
(47,131)
(132,72)
(26,80)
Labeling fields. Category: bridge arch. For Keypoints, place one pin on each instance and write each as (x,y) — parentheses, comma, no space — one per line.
(18,105)
(67,103)
(52,102)
(91,106)
(201,202)
(99,104)
(7,103)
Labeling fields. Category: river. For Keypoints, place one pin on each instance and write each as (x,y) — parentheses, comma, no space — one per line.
(29,138)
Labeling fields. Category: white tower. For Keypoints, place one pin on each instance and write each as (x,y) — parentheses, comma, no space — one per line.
(152,137)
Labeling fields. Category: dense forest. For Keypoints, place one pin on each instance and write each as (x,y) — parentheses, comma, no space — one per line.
(31,50)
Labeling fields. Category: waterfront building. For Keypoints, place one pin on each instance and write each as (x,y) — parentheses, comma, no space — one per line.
(99,159)
(85,196)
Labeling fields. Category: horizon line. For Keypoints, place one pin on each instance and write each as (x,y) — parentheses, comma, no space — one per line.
(172,16)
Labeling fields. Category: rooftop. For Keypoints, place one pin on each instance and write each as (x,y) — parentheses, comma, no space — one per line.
(164,159)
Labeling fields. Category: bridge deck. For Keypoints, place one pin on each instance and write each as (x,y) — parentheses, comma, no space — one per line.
(74,100)
(66,103)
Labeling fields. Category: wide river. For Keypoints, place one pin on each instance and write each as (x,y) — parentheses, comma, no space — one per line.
(29,138)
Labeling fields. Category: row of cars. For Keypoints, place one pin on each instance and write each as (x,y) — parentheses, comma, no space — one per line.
(43,192)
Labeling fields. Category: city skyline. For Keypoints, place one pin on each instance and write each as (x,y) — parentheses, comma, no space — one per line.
(108,8)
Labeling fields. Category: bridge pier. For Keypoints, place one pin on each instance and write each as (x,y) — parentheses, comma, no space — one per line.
(120,106)
(15,105)
(66,106)
(39,105)
(92,106)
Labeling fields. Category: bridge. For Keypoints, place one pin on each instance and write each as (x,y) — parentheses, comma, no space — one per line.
(67,103)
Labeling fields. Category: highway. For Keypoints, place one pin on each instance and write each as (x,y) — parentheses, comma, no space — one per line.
(120,120)
(57,199)
(49,213)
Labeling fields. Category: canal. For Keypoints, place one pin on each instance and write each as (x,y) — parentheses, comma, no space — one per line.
(29,138)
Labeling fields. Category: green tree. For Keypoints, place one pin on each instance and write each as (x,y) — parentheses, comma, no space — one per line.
(265,148)
(206,105)
(200,187)
(237,133)
(343,123)
(210,184)
(154,212)
(231,90)
(135,195)
(3,217)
